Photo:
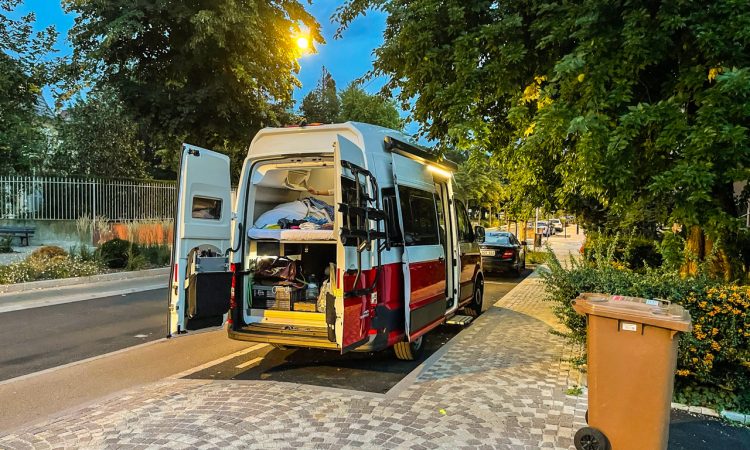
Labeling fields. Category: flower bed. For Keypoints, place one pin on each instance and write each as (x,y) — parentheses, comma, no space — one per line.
(712,366)
(48,268)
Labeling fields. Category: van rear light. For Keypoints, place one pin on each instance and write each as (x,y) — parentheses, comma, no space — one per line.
(175,273)
(232,297)
(508,254)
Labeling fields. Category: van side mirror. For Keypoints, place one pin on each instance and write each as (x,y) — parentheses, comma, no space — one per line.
(479,234)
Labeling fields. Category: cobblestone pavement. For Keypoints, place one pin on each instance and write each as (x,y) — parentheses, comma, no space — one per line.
(501,383)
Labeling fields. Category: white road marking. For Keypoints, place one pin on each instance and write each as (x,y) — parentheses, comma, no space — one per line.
(219,360)
(141,336)
(249,363)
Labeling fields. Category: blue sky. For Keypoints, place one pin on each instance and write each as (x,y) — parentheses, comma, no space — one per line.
(347,59)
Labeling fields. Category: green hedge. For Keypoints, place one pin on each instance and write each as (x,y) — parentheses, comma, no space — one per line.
(634,251)
(713,368)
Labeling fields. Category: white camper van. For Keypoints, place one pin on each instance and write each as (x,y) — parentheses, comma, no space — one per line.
(343,237)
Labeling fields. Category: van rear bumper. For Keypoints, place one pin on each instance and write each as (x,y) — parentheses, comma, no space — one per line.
(283,335)
(309,338)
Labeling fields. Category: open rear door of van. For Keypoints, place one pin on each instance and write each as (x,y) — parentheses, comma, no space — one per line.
(352,314)
(424,255)
(200,281)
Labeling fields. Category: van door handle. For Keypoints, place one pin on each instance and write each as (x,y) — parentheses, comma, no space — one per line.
(441,258)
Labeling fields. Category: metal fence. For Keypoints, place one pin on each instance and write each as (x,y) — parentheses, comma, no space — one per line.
(49,198)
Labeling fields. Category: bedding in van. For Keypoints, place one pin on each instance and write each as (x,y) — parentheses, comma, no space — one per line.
(308,219)
(309,210)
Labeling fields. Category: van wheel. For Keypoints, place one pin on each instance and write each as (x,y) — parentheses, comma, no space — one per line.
(409,351)
(474,308)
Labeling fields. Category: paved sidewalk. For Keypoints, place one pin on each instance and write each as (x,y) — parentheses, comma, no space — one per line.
(501,383)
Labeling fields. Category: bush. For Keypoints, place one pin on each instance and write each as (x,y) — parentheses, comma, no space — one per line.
(47,252)
(116,253)
(712,365)
(634,251)
(136,261)
(157,255)
(83,252)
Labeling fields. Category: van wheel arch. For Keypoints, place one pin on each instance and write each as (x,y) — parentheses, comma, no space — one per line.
(409,351)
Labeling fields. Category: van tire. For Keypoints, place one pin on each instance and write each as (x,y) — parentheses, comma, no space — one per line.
(474,308)
(409,351)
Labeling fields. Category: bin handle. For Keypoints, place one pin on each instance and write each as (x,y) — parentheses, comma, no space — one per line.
(649,301)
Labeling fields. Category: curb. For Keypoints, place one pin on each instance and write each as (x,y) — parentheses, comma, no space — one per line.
(34,285)
(732,416)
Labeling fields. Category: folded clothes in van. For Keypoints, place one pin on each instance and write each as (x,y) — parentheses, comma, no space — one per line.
(291,235)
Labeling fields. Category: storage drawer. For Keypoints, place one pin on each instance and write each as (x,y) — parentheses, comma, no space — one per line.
(276,297)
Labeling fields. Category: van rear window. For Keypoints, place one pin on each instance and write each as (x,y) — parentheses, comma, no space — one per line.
(206,208)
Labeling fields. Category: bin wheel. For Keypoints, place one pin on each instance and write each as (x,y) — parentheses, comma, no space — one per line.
(588,438)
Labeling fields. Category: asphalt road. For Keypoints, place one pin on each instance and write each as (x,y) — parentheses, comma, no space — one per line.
(39,338)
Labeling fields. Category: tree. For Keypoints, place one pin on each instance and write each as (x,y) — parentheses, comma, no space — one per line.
(22,75)
(479,182)
(359,106)
(208,73)
(322,104)
(602,107)
(99,138)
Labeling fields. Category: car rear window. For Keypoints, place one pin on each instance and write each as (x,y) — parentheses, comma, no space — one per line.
(496,238)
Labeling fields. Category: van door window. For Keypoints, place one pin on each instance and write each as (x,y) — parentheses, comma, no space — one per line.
(420,216)
(389,205)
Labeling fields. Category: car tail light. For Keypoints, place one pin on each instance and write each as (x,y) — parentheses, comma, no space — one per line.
(508,254)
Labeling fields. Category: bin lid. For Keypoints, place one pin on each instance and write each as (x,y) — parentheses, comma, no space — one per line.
(654,312)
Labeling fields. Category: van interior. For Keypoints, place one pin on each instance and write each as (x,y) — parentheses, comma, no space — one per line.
(290,242)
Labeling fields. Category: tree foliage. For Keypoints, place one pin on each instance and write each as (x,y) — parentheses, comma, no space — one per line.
(322,104)
(99,138)
(621,111)
(478,180)
(210,72)
(22,75)
(359,106)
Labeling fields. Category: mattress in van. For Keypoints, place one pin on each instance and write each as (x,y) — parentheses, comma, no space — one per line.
(291,235)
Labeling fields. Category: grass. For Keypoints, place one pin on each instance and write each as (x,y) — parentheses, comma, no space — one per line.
(536,257)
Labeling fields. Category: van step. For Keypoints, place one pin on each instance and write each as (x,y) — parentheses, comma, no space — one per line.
(459,320)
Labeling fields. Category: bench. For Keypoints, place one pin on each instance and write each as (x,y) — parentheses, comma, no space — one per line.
(23,233)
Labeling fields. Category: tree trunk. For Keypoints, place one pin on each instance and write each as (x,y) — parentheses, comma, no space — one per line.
(699,248)
(694,251)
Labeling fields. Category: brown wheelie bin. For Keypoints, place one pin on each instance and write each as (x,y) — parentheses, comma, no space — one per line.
(632,354)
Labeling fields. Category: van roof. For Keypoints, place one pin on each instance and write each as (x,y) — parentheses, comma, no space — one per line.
(317,138)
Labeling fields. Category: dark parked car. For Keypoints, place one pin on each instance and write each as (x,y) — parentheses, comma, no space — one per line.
(501,252)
